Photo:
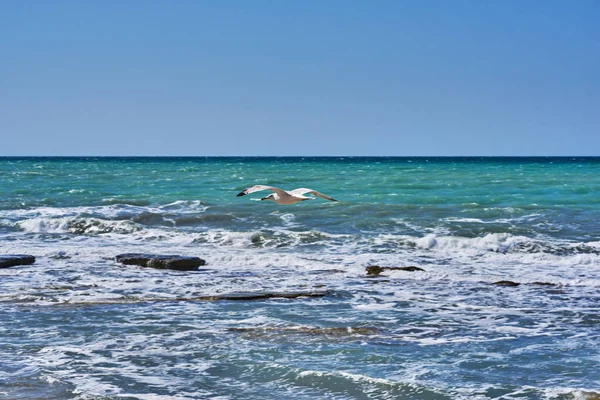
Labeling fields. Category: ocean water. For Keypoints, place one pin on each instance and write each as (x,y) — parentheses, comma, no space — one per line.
(78,325)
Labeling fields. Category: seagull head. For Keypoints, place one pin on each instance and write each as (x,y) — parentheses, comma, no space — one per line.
(270,197)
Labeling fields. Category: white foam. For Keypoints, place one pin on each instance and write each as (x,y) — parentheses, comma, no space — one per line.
(375,306)
(438,341)
(38,225)
(427,242)
(350,376)
(470,220)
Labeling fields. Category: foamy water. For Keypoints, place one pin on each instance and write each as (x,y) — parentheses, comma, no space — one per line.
(78,325)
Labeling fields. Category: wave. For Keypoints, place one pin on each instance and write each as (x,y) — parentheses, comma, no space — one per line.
(494,242)
(198,230)
(517,219)
(78,226)
(199,223)
(59,219)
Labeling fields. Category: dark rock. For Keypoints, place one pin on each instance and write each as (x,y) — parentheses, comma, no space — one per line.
(375,270)
(263,295)
(543,283)
(135,259)
(11,260)
(506,283)
(410,268)
(176,262)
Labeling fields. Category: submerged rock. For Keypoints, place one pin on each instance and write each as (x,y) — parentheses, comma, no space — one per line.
(275,332)
(263,295)
(61,255)
(374,270)
(176,262)
(236,296)
(507,283)
(11,260)
(410,268)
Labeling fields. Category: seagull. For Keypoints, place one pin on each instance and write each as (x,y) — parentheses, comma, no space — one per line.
(284,197)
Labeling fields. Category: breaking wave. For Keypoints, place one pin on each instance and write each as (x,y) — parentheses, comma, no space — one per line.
(195,223)
(78,226)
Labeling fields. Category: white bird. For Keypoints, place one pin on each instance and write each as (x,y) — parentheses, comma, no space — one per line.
(284,197)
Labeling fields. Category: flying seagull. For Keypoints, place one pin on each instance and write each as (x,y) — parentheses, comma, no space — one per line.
(284,197)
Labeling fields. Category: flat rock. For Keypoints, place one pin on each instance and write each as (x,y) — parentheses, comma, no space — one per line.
(11,260)
(374,270)
(264,295)
(161,261)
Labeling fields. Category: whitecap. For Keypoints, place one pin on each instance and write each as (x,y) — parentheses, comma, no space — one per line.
(375,306)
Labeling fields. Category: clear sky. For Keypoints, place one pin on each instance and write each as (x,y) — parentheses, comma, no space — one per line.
(300,77)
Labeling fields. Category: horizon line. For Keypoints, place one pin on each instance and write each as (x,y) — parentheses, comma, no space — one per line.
(300,156)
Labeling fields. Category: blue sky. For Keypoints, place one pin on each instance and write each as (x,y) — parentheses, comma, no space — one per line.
(217,78)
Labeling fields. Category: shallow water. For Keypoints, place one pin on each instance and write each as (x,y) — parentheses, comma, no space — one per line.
(78,325)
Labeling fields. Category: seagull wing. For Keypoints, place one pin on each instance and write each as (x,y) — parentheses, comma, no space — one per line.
(258,188)
(301,191)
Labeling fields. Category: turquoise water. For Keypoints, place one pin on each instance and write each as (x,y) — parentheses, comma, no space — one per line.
(78,325)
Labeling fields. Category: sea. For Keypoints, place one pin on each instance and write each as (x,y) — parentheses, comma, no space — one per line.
(503,301)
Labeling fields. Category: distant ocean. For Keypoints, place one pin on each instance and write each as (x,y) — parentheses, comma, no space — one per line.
(79,325)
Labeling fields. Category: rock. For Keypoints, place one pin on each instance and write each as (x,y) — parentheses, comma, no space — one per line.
(506,283)
(375,270)
(135,259)
(263,295)
(11,260)
(590,395)
(235,296)
(543,283)
(411,268)
(176,262)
